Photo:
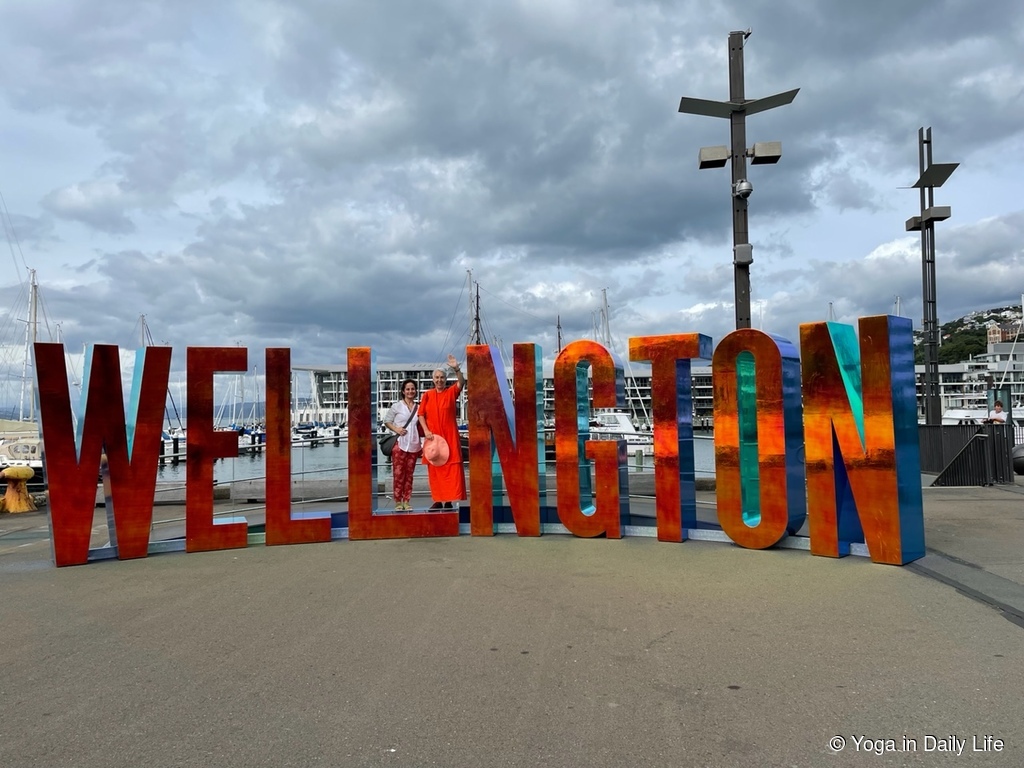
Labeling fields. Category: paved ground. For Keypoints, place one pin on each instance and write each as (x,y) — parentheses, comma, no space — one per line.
(508,652)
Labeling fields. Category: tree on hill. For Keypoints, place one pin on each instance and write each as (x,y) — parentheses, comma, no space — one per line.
(961,345)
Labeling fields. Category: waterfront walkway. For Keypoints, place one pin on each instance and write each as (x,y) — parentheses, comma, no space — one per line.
(508,652)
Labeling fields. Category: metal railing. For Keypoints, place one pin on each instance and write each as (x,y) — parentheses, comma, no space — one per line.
(968,454)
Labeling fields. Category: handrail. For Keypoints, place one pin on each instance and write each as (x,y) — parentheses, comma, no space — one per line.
(981,434)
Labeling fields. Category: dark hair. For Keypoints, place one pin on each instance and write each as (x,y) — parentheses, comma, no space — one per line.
(401,389)
(998,402)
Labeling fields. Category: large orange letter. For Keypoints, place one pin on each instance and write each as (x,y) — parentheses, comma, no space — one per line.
(363,521)
(760,479)
(862,407)
(675,490)
(520,457)
(132,449)
(204,444)
(283,525)
(572,430)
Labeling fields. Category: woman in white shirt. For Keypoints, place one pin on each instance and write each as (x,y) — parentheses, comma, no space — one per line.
(401,419)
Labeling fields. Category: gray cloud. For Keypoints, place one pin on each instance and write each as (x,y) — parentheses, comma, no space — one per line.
(318,175)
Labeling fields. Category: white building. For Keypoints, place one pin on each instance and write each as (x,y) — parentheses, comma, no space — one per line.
(962,385)
(329,387)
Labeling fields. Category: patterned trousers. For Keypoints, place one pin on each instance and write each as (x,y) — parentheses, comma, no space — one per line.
(402,467)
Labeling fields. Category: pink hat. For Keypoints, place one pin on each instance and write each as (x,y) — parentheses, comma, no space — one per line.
(435,450)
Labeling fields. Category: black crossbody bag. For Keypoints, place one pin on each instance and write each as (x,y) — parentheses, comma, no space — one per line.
(387,442)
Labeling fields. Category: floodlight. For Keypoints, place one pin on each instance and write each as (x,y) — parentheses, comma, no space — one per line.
(766,152)
(713,157)
(937,213)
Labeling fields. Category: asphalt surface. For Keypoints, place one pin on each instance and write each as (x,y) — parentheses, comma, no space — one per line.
(518,652)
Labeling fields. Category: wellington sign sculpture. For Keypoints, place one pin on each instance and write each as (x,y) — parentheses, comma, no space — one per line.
(827,437)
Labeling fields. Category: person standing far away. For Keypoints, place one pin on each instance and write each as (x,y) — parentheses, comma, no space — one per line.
(997,415)
(400,419)
(438,419)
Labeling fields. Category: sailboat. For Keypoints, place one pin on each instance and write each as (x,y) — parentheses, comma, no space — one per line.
(20,440)
(614,423)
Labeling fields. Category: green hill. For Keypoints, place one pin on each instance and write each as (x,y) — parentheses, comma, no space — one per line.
(966,336)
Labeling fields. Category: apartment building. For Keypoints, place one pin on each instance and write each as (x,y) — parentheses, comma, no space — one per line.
(962,385)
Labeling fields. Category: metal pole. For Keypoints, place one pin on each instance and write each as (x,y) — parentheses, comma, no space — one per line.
(932,402)
(28,382)
(740,236)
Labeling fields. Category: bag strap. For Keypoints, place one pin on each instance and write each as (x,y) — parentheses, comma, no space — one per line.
(415,408)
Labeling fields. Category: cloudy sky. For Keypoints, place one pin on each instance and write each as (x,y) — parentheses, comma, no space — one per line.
(319,174)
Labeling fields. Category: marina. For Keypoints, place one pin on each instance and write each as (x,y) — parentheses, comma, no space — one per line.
(319,416)
(327,459)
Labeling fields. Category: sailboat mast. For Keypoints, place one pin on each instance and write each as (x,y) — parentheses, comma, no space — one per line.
(314,392)
(606,331)
(1016,338)
(469,279)
(31,334)
(476,317)
(295,400)
(254,415)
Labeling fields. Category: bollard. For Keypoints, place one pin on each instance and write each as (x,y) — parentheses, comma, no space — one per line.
(17,498)
(639,460)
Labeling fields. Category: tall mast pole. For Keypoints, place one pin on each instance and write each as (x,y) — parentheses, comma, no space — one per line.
(606,331)
(31,336)
(469,278)
(476,317)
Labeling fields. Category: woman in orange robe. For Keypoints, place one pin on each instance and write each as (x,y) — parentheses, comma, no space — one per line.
(437,417)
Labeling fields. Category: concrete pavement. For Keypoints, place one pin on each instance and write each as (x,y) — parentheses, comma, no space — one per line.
(508,652)
(975,543)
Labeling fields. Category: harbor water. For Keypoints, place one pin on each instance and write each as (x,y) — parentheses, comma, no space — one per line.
(325,459)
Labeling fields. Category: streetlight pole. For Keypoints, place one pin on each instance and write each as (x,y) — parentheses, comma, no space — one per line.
(932,175)
(738,156)
(737,109)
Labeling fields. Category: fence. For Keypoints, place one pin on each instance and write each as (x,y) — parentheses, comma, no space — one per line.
(968,454)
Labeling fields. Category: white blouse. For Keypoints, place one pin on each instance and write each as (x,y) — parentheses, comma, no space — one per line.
(397,415)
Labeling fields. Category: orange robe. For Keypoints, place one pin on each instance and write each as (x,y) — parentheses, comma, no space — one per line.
(447,482)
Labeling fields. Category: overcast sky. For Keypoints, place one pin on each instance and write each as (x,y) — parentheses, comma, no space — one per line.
(319,174)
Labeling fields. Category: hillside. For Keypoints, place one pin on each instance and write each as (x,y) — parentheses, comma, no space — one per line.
(966,336)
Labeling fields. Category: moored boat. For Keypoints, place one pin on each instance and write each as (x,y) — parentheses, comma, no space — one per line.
(22,451)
